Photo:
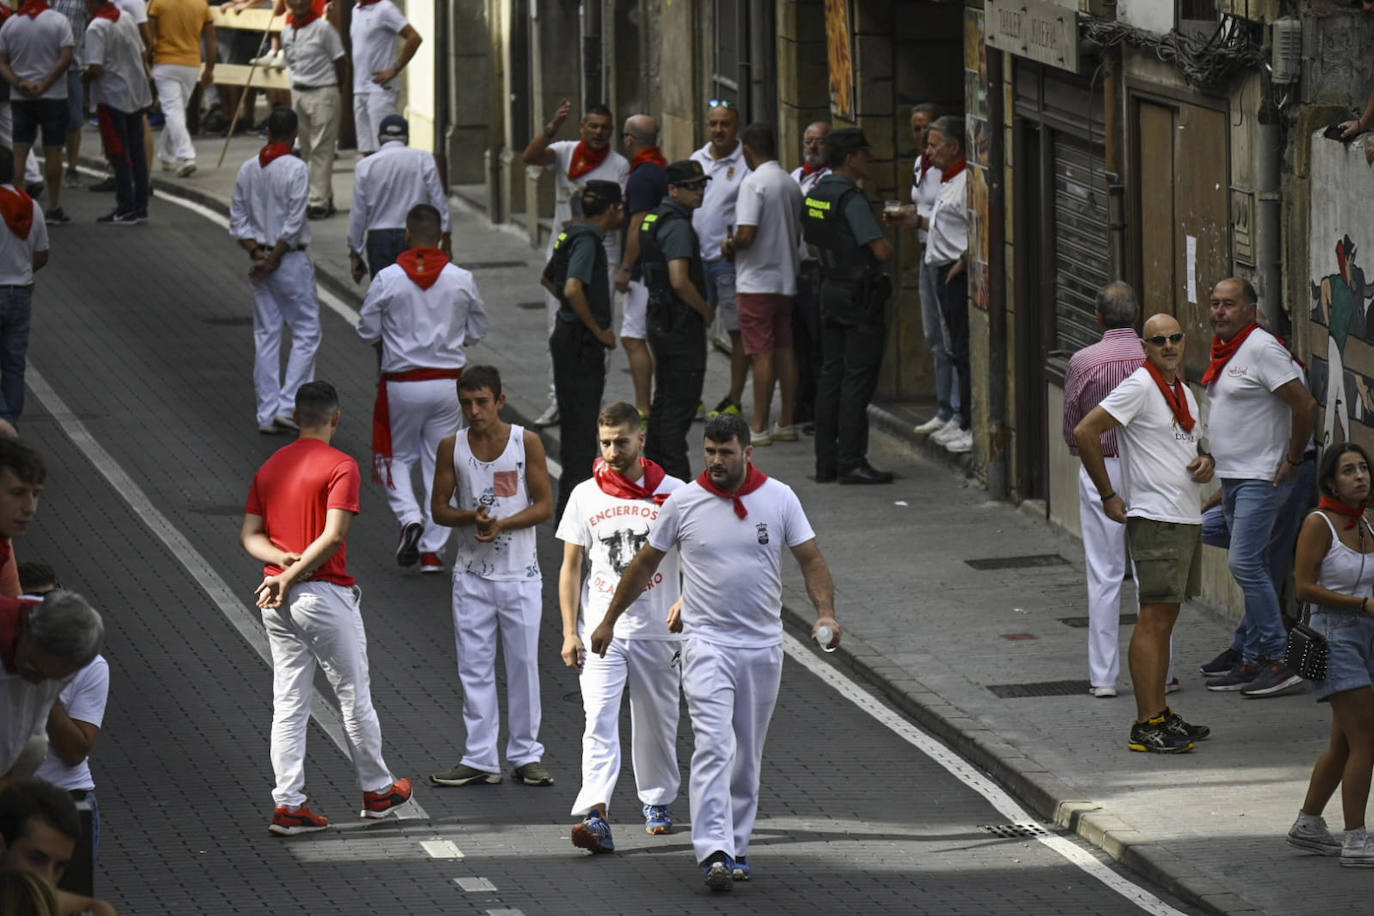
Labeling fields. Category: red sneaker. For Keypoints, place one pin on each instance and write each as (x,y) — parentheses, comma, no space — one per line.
(431,563)
(386,801)
(286,822)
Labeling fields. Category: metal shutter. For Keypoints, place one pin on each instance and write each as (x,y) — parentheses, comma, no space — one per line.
(1080,241)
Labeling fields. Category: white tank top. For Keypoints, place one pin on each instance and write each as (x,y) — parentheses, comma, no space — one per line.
(1344,569)
(501,486)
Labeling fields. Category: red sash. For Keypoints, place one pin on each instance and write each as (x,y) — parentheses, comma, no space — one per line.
(1174,396)
(1341,508)
(423,265)
(651,154)
(585,159)
(381,417)
(16,206)
(752,481)
(273,151)
(1222,352)
(613,483)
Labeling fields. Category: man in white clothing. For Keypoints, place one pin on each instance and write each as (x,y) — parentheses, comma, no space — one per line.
(36,49)
(318,65)
(375,26)
(491,482)
(422,312)
(23,251)
(730,526)
(574,163)
(267,218)
(606,521)
(386,185)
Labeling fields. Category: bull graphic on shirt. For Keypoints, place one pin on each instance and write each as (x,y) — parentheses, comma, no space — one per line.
(622,545)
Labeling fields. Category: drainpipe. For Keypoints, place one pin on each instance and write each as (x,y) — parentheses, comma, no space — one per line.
(1111,138)
(997,288)
(591,50)
(441,90)
(1268,222)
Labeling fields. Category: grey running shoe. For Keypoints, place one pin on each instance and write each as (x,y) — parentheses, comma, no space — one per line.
(1238,678)
(1358,849)
(463,775)
(1153,736)
(1174,724)
(1274,678)
(718,873)
(533,774)
(1311,834)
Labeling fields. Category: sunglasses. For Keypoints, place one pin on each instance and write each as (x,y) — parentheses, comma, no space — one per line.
(720,103)
(1159,340)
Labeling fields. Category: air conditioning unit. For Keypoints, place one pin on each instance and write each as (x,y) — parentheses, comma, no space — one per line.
(1286,51)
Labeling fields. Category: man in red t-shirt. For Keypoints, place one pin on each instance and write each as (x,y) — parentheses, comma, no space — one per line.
(21,480)
(296,519)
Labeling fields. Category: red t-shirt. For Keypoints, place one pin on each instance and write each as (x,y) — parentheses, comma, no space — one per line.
(12,611)
(294,491)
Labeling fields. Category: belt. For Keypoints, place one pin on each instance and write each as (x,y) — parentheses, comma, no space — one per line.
(265,247)
(313,88)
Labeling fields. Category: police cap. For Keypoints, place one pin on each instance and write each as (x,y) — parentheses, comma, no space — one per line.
(686,172)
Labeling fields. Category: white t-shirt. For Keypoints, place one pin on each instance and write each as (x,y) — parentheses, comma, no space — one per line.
(84,699)
(311,52)
(731,566)
(118,49)
(33,44)
(373,32)
(610,530)
(771,201)
(1155,451)
(715,218)
(1248,426)
(16,254)
(614,167)
(948,236)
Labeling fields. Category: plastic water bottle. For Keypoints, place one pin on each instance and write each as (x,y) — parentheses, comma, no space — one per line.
(825,636)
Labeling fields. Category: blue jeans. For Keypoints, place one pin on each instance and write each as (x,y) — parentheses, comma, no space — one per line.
(933,327)
(14,348)
(1252,508)
(384,246)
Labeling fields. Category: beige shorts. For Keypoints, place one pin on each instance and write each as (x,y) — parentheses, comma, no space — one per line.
(1167,558)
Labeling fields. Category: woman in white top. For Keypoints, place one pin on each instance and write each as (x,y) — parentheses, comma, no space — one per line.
(1335,574)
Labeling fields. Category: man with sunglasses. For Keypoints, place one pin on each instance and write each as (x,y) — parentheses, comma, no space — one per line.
(1093,373)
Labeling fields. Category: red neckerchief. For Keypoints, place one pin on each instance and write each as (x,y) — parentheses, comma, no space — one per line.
(585,159)
(108,11)
(303,21)
(274,150)
(32,8)
(381,417)
(808,168)
(423,265)
(1342,508)
(614,483)
(1174,396)
(17,208)
(648,154)
(925,167)
(1222,352)
(752,481)
(13,612)
(954,169)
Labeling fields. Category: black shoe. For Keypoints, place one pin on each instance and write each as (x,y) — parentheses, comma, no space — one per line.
(34,188)
(1238,678)
(316,212)
(1222,664)
(408,550)
(1154,736)
(1175,725)
(56,217)
(865,473)
(826,476)
(104,186)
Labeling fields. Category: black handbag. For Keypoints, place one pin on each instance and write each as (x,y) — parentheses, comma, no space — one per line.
(1306,651)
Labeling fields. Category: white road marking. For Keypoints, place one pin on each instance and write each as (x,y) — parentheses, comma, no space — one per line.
(246,621)
(475,885)
(969,775)
(441,849)
(506,912)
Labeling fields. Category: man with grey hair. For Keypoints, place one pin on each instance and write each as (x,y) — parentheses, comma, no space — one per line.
(42,644)
(1093,372)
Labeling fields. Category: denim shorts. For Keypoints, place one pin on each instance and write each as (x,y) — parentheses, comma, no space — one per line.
(1350,657)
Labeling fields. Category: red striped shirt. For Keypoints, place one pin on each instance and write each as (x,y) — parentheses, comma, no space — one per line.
(1093,372)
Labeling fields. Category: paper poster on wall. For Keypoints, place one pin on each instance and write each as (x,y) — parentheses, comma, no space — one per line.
(839,44)
(977,141)
(1191,268)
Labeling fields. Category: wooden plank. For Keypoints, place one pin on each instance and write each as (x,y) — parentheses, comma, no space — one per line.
(263,77)
(256,19)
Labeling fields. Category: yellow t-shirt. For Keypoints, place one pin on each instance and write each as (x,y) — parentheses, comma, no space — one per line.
(179,24)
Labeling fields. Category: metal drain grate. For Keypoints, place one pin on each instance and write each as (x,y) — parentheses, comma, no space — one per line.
(1081,623)
(1039,689)
(1015,831)
(1027,562)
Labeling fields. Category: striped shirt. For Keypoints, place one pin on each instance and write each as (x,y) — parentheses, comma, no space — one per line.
(1093,372)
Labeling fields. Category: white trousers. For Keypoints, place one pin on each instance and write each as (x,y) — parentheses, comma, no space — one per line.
(422,413)
(285,298)
(655,685)
(730,696)
(175,83)
(1104,555)
(481,607)
(321,623)
(368,110)
(317,110)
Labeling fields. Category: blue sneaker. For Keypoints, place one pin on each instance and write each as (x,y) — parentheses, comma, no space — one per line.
(718,871)
(593,834)
(657,820)
(740,870)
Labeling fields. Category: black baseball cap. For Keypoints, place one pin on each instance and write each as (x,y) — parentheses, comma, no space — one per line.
(686,172)
(607,192)
(393,127)
(844,141)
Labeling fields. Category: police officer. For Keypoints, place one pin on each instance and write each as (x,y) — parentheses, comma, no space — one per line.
(577,276)
(838,222)
(678,315)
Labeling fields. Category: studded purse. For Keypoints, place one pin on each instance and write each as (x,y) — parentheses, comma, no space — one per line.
(1306,650)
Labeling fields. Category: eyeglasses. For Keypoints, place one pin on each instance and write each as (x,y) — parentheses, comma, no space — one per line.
(720,103)
(1159,340)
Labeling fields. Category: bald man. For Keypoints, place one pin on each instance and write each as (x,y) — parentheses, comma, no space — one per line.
(644,190)
(1160,503)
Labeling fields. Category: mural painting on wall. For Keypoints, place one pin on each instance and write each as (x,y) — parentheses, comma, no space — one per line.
(1340,298)
(977,138)
(839,45)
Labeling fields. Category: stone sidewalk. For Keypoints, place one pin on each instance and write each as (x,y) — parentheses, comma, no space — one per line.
(969,615)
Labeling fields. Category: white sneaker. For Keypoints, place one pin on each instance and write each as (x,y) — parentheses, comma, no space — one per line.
(784,433)
(946,432)
(548,418)
(167,166)
(759,440)
(1102,692)
(186,167)
(932,425)
(1312,835)
(1358,849)
(959,443)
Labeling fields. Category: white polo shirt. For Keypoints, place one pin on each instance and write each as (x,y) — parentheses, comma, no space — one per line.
(311,53)
(1249,426)
(731,566)
(118,49)
(387,184)
(373,34)
(715,218)
(423,328)
(1155,451)
(948,237)
(16,254)
(33,45)
(269,204)
(84,699)
(772,202)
